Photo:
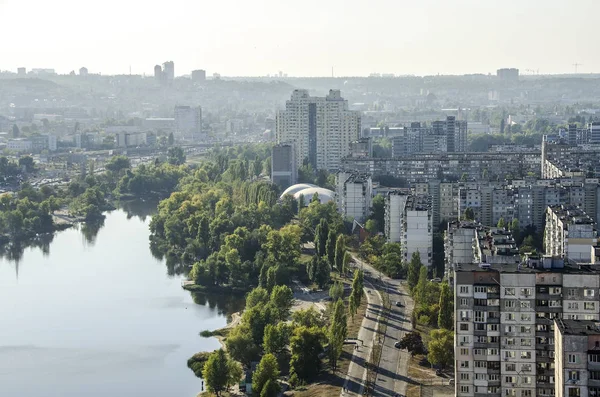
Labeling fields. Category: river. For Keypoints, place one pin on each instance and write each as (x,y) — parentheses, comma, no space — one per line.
(90,312)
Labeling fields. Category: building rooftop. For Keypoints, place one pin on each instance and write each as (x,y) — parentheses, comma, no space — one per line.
(578,327)
(571,214)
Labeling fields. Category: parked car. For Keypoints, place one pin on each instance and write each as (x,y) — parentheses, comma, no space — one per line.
(397,344)
(399,304)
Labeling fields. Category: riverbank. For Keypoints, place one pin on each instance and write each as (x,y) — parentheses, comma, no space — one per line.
(189,285)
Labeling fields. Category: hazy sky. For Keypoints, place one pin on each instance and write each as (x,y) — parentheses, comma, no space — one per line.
(301,38)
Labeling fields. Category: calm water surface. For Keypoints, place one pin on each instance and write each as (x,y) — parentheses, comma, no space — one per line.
(92,313)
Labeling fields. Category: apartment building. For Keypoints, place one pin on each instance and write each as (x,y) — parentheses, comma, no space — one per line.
(442,136)
(408,220)
(444,205)
(188,122)
(570,233)
(504,315)
(354,193)
(577,358)
(283,166)
(321,128)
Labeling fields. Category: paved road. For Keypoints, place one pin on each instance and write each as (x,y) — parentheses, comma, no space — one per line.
(355,379)
(393,368)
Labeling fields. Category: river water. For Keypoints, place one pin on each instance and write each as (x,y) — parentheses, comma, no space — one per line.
(90,312)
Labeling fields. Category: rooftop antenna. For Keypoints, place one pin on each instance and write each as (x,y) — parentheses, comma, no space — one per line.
(577,65)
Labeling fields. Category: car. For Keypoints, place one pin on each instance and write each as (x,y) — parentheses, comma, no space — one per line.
(397,344)
(399,304)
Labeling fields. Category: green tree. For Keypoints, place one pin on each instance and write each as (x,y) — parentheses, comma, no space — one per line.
(414,268)
(469,215)
(346,263)
(412,342)
(282,299)
(241,346)
(318,271)
(501,223)
(420,291)
(267,370)
(15,131)
(117,164)
(176,156)
(340,251)
(306,345)
(338,331)
(446,309)
(257,297)
(371,226)
(220,372)
(378,212)
(321,235)
(270,389)
(330,248)
(356,293)
(27,162)
(276,339)
(515,229)
(301,202)
(307,318)
(336,291)
(441,347)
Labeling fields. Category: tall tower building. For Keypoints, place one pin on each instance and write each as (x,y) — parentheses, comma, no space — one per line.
(283,166)
(321,128)
(169,70)
(188,121)
(158,73)
(451,133)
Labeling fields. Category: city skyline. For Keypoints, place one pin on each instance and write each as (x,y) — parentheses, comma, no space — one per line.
(260,38)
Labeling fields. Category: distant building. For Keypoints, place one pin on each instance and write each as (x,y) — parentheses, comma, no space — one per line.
(199,75)
(593,132)
(128,139)
(22,72)
(354,194)
(408,221)
(508,74)
(321,128)
(188,121)
(166,124)
(83,71)
(19,145)
(361,148)
(234,126)
(169,70)
(283,165)
(158,73)
(570,233)
(52,143)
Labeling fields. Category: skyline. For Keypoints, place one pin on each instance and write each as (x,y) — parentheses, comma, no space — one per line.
(237,38)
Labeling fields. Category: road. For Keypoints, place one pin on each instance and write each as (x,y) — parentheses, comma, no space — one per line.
(393,368)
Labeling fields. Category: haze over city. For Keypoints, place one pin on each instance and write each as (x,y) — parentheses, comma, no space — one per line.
(356,38)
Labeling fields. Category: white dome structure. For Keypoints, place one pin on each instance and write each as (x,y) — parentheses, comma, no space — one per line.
(325,195)
(296,188)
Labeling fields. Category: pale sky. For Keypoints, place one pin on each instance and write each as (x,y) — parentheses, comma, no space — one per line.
(302,37)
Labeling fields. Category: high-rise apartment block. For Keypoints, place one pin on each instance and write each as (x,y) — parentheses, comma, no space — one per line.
(441,137)
(570,233)
(408,221)
(354,193)
(505,309)
(283,165)
(188,122)
(321,128)
(508,74)
(198,75)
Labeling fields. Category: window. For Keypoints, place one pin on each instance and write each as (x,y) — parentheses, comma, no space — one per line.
(555,304)
(493,390)
(525,393)
(525,317)
(588,292)
(526,329)
(479,352)
(525,305)
(464,301)
(480,289)
(464,389)
(464,327)
(479,317)
(525,291)
(509,328)
(509,354)
(571,292)
(555,290)
(464,364)
(464,289)
(510,392)
(464,315)
(594,391)
(509,291)
(572,358)
(493,352)
(573,375)
(480,376)
(492,327)
(510,341)
(525,367)
(464,376)
(526,380)
(574,392)
(509,304)
(595,375)
(464,352)
(510,379)
(573,305)
(510,316)
(526,355)
(525,342)
(589,305)
(493,377)
(510,367)
(481,364)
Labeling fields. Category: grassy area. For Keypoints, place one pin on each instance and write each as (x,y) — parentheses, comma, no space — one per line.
(222,332)
(330,384)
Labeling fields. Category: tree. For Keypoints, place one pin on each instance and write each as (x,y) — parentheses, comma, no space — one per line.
(330,248)
(336,291)
(446,310)
(27,162)
(469,215)
(220,372)
(420,291)
(501,223)
(241,346)
(257,297)
(15,131)
(441,347)
(301,202)
(270,389)
(307,318)
(356,293)
(306,345)
(412,342)
(346,263)
(282,299)
(266,371)
(176,156)
(515,229)
(340,251)
(171,139)
(378,212)
(318,271)
(321,235)
(276,339)
(117,164)
(371,226)
(414,268)
(338,330)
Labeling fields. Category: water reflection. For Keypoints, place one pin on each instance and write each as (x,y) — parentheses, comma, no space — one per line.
(89,230)
(13,251)
(139,208)
(225,304)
